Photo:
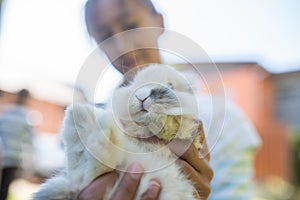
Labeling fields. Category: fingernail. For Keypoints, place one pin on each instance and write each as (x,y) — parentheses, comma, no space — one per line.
(136,170)
(153,189)
(179,163)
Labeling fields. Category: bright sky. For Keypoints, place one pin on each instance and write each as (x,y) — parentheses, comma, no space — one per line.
(45,39)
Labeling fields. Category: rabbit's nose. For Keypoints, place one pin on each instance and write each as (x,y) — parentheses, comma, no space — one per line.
(141,99)
(142,94)
(144,102)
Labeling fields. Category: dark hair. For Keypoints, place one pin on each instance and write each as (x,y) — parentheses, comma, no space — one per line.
(22,96)
(90,3)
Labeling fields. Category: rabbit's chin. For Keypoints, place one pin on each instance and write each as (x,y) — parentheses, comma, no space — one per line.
(144,123)
(135,129)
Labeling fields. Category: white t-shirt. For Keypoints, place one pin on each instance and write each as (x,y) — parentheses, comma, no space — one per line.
(232,141)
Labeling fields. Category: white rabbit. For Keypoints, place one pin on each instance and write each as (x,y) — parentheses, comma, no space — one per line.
(159,101)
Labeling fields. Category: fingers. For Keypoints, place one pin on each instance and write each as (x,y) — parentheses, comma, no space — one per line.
(153,191)
(190,154)
(200,182)
(196,169)
(204,151)
(126,190)
(129,183)
(97,189)
(200,165)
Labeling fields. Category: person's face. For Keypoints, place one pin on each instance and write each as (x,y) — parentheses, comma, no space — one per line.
(128,49)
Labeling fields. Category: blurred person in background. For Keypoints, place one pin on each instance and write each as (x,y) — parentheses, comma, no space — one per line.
(231,157)
(16,135)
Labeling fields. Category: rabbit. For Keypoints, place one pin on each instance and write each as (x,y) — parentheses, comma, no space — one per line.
(159,101)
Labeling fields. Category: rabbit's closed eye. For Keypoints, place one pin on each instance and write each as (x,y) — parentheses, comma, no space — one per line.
(170,85)
(162,92)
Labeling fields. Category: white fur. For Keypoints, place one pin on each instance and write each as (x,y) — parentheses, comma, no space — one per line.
(95,141)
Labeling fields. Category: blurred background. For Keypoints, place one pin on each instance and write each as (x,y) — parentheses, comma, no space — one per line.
(254,43)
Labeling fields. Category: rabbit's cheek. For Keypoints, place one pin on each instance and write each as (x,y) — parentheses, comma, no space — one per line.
(134,105)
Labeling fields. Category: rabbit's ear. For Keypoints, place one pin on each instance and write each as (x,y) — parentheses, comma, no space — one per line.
(192,82)
(188,105)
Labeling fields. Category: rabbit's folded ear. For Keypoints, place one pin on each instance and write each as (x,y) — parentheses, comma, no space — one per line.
(193,82)
(187,105)
(80,115)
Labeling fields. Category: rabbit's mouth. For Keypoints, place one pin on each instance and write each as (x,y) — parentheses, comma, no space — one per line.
(139,111)
(143,110)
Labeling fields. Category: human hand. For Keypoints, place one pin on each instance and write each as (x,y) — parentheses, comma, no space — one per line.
(195,164)
(126,189)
